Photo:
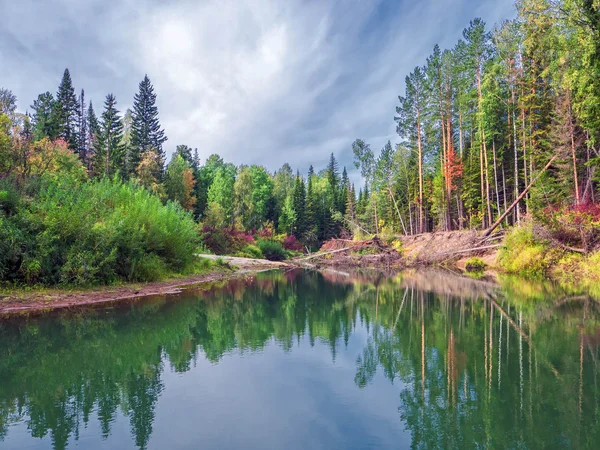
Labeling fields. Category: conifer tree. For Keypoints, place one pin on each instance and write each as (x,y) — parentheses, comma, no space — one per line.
(196,161)
(82,129)
(93,133)
(185,152)
(299,203)
(146,132)
(109,157)
(43,123)
(67,111)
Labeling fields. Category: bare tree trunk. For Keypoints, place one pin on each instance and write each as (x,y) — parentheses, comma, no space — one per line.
(572,133)
(420,149)
(496,177)
(397,210)
(517,209)
(504,189)
(524,156)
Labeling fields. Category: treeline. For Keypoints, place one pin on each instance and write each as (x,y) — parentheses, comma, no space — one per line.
(64,130)
(478,123)
(481,120)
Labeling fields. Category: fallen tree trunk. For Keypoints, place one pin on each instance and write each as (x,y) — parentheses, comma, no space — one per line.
(519,198)
(474,249)
(316,255)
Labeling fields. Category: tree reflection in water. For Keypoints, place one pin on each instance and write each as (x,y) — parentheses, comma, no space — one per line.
(479,365)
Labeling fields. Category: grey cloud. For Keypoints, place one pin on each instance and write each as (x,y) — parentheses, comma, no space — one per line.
(257,81)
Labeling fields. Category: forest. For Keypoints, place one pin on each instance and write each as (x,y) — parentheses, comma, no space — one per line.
(89,197)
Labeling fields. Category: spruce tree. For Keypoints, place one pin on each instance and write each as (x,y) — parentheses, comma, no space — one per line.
(299,203)
(186,153)
(82,131)
(350,213)
(196,161)
(67,111)
(146,132)
(43,124)
(93,133)
(109,157)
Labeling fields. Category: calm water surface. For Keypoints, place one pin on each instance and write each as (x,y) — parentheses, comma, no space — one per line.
(309,360)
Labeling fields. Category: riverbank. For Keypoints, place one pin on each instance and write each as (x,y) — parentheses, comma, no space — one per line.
(38,301)
(517,253)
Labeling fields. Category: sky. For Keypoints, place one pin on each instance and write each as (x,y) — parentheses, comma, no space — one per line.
(256,81)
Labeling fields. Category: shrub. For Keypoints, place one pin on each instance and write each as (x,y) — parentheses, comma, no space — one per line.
(225,241)
(474,265)
(573,225)
(524,254)
(291,243)
(95,232)
(272,250)
(252,251)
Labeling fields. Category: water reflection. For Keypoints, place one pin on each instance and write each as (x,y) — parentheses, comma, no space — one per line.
(476,365)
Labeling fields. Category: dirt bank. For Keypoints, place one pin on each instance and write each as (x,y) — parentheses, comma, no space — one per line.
(428,249)
(44,300)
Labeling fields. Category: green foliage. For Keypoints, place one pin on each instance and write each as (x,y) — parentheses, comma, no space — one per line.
(146,132)
(474,265)
(66,111)
(251,251)
(523,254)
(272,250)
(179,182)
(95,232)
(109,154)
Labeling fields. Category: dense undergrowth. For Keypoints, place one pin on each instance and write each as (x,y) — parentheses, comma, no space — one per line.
(528,253)
(258,244)
(61,231)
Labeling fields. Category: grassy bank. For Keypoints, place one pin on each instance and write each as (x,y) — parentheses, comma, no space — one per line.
(530,256)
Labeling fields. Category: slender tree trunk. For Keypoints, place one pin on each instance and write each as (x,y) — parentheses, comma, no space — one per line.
(496,177)
(573,153)
(504,189)
(449,171)
(524,156)
(517,209)
(484,144)
(420,150)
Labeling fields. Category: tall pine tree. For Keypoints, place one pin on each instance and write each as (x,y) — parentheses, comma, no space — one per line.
(43,124)
(146,132)
(109,157)
(82,131)
(67,111)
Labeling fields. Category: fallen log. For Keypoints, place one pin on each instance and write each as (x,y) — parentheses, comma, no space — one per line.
(317,255)
(474,249)
(519,198)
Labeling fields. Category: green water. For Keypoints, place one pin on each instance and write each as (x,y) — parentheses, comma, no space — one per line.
(307,360)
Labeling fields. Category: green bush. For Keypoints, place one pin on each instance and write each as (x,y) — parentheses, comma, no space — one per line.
(272,250)
(252,251)
(95,232)
(474,265)
(525,255)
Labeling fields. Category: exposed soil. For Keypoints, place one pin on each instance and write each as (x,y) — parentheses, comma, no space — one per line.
(40,301)
(442,248)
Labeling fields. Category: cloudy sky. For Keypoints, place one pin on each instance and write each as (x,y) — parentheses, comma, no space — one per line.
(257,81)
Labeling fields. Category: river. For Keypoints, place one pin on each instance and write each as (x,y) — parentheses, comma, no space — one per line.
(304,359)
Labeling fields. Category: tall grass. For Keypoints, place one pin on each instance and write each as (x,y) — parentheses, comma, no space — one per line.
(90,233)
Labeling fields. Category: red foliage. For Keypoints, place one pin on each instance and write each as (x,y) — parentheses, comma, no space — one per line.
(574,225)
(291,243)
(223,241)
